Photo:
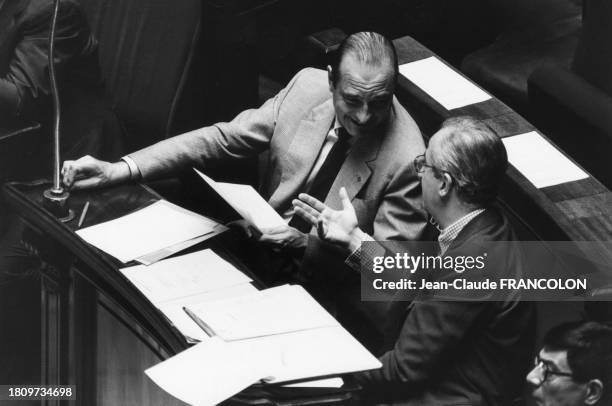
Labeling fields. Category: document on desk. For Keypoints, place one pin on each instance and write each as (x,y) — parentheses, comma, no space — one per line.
(247,202)
(155,227)
(175,312)
(197,277)
(185,275)
(312,353)
(539,161)
(263,313)
(442,83)
(207,373)
(214,370)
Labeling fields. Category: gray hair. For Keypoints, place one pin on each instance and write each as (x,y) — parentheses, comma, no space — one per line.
(476,158)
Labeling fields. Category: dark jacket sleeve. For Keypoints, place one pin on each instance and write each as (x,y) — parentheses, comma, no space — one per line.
(432,331)
(26,81)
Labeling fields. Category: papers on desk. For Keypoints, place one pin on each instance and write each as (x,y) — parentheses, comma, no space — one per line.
(263,313)
(442,83)
(216,369)
(319,383)
(540,162)
(247,202)
(174,309)
(185,275)
(189,279)
(207,373)
(146,231)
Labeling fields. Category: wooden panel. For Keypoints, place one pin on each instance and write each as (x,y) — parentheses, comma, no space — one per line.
(52,331)
(122,358)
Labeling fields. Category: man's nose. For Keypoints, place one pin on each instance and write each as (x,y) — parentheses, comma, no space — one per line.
(363,115)
(533,377)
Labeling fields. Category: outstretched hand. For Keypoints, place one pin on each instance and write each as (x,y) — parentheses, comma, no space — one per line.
(88,172)
(339,227)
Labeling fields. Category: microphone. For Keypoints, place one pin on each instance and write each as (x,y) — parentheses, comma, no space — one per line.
(55,199)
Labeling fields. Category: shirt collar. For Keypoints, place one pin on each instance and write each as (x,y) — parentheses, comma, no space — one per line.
(448,235)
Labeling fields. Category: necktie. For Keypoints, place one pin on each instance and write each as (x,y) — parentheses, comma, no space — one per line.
(319,188)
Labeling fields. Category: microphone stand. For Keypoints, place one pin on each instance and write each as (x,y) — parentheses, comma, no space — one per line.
(55,199)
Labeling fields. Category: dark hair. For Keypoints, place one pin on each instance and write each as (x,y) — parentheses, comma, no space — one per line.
(475,157)
(589,350)
(368,47)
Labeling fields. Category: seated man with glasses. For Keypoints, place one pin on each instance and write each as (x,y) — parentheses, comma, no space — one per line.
(574,366)
(441,351)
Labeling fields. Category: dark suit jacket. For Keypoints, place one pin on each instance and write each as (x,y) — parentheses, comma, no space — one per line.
(459,352)
(88,126)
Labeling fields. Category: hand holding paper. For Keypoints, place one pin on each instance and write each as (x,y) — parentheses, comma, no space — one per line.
(247,202)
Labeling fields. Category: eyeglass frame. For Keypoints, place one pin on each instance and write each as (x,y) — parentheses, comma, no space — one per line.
(420,162)
(547,372)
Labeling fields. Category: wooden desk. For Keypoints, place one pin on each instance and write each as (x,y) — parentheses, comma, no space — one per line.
(98,331)
(574,211)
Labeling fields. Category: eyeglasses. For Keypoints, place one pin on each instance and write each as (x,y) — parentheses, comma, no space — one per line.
(547,372)
(420,162)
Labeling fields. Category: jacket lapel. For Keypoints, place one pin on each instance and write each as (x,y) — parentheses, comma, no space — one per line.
(302,153)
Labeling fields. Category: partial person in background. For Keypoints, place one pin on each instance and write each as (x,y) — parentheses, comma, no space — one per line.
(88,126)
(574,366)
(451,350)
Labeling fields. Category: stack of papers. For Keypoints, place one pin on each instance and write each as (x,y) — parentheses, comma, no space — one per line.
(263,313)
(276,335)
(161,226)
(442,83)
(247,202)
(198,277)
(540,162)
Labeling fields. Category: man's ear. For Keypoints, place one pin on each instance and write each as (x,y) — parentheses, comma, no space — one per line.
(594,392)
(330,78)
(446,184)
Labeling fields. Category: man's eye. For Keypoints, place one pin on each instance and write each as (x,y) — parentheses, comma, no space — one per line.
(352,102)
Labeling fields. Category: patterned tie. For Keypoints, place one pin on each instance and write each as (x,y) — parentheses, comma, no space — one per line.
(319,188)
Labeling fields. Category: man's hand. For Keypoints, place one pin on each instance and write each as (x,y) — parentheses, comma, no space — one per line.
(88,172)
(284,237)
(245,228)
(339,227)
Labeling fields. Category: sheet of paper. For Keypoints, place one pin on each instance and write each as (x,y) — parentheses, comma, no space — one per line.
(540,162)
(271,311)
(155,256)
(319,383)
(173,309)
(214,370)
(207,373)
(311,353)
(185,275)
(247,202)
(159,225)
(442,83)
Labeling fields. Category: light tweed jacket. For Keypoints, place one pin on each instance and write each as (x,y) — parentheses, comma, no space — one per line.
(378,173)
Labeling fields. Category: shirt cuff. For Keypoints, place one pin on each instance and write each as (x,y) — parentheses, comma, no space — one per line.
(134,171)
(363,254)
